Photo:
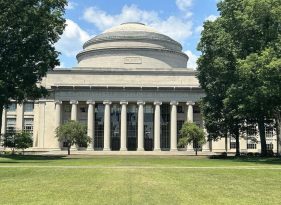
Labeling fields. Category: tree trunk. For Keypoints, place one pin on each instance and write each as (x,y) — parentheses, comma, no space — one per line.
(262,136)
(237,140)
(1,113)
(278,132)
(196,150)
(68,150)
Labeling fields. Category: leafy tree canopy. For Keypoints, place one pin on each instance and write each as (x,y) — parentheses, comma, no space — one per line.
(73,133)
(191,133)
(28,31)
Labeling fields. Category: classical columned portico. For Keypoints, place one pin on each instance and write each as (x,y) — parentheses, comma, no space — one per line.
(74,109)
(106,146)
(157,126)
(91,117)
(140,126)
(174,125)
(123,137)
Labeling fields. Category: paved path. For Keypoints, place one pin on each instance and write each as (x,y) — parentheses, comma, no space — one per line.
(145,167)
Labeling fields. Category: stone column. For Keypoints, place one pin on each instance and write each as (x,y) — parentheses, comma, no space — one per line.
(157,126)
(20,117)
(58,117)
(140,126)
(42,120)
(106,137)
(4,121)
(91,123)
(74,110)
(123,137)
(174,126)
(190,111)
(58,113)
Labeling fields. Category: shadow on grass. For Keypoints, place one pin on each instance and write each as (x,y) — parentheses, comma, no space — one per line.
(246,159)
(31,158)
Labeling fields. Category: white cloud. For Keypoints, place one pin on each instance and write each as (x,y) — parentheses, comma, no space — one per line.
(72,39)
(178,28)
(71,5)
(192,62)
(211,18)
(184,4)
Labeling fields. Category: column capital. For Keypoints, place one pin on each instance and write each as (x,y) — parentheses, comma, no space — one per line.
(123,102)
(140,102)
(58,102)
(107,102)
(157,103)
(73,102)
(90,102)
(190,103)
(174,103)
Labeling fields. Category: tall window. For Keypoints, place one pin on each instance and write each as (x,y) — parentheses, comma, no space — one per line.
(165,126)
(28,107)
(83,114)
(28,125)
(11,125)
(252,136)
(269,129)
(99,126)
(148,127)
(132,116)
(12,107)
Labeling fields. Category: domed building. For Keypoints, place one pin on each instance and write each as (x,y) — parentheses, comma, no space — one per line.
(131,87)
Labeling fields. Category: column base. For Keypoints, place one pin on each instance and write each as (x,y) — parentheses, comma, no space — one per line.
(90,149)
(140,149)
(123,149)
(174,150)
(156,149)
(106,149)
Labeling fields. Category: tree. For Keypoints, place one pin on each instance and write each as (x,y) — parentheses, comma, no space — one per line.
(191,133)
(251,81)
(217,72)
(28,31)
(18,140)
(23,140)
(72,133)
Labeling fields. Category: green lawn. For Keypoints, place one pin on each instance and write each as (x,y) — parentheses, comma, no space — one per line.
(139,180)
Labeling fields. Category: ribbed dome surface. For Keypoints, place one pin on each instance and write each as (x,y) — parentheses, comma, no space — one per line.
(132,45)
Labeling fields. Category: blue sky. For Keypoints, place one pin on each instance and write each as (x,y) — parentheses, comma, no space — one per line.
(180,19)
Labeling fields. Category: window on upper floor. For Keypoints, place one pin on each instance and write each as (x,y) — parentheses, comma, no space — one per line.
(28,107)
(12,107)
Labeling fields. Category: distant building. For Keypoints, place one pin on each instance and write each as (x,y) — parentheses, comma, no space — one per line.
(133,90)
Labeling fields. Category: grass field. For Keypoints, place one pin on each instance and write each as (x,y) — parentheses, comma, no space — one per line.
(139,180)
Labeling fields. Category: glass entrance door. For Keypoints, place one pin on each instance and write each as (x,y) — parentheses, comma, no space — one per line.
(115,127)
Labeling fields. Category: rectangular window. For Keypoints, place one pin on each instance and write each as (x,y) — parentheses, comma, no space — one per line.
(28,125)
(28,107)
(12,107)
(269,146)
(180,109)
(251,146)
(11,125)
(269,130)
(67,108)
(232,145)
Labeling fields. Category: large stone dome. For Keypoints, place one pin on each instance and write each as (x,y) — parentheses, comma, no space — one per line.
(132,46)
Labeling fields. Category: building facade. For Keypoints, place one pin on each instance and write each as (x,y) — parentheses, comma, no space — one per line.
(132,89)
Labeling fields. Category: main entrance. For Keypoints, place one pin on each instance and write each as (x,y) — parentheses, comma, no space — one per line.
(115,127)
